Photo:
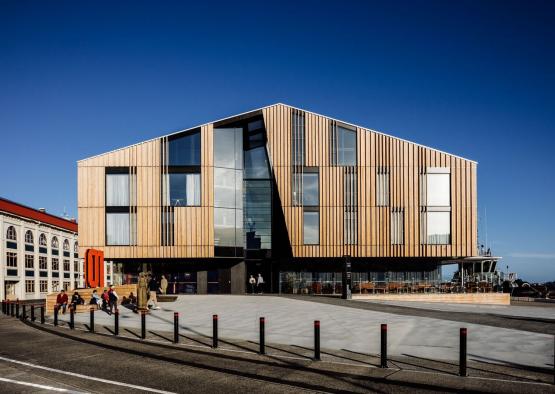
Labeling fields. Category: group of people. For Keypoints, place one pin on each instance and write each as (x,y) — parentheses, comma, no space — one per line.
(256,284)
(62,301)
(107,301)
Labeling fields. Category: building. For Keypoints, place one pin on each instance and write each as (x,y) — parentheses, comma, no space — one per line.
(39,253)
(282,192)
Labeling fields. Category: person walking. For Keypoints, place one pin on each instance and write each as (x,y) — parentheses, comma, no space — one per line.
(163,284)
(61,301)
(153,288)
(252,283)
(260,284)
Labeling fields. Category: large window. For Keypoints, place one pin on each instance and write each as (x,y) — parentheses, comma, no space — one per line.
(343,146)
(311,228)
(43,286)
(435,197)
(228,188)
(42,240)
(54,243)
(120,197)
(30,286)
(55,264)
(184,189)
(43,263)
(11,259)
(350,198)
(29,261)
(305,189)
(184,150)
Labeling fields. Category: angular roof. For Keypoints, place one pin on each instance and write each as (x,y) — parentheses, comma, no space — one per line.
(244,114)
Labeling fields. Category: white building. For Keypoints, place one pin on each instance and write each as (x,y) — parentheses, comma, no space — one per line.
(38,253)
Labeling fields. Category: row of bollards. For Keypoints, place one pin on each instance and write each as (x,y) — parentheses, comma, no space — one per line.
(11,308)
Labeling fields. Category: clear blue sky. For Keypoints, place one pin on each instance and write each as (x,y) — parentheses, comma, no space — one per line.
(473,78)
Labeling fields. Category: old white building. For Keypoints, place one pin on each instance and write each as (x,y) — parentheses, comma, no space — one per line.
(38,253)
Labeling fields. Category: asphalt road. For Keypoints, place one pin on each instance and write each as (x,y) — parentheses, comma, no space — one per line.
(35,358)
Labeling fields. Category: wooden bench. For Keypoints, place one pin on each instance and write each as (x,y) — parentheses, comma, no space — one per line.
(86,295)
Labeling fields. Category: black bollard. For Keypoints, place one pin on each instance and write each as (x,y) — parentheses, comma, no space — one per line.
(71,318)
(3,307)
(42,314)
(214,331)
(383,352)
(316,339)
(116,322)
(56,315)
(32,312)
(262,334)
(17,308)
(91,320)
(12,308)
(23,312)
(176,327)
(143,324)
(462,353)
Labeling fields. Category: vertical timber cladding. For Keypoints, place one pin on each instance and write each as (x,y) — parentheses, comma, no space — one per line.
(194,228)
(405,161)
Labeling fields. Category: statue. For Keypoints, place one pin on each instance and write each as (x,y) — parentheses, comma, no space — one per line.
(142,292)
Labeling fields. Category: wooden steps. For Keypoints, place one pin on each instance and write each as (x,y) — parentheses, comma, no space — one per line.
(86,294)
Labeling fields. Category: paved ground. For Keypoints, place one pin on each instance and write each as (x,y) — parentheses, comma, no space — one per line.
(41,358)
(290,322)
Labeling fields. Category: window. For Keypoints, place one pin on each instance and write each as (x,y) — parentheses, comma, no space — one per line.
(76,247)
(76,267)
(55,286)
(438,228)
(397,226)
(11,234)
(305,189)
(184,150)
(43,286)
(117,190)
(350,217)
(228,148)
(11,259)
(343,146)
(297,138)
(29,261)
(29,237)
(43,263)
(42,240)
(382,187)
(256,163)
(55,264)
(228,227)
(117,228)
(54,243)
(435,197)
(29,286)
(66,245)
(66,266)
(311,228)
(184,189)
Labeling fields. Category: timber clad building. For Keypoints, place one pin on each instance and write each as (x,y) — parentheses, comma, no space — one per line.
(282,192)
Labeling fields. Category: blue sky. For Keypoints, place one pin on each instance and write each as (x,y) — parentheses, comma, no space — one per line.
(473,78)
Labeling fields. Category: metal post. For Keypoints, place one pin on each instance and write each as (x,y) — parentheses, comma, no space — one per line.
(462,353)
(32,312)
(12,308)
(17,308)
(116,322)
(176,327)
(214,331)
(143,324)
(383,352)
(262,339)
(316,339)
(56,315)
(23,312)
(3,307)
(71,318)
(42,314)
(91,320)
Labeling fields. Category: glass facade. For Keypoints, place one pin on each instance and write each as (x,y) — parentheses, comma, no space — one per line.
(184,189)
(346,147)
(228,187)
(311,228)
(305,189)
(184,150)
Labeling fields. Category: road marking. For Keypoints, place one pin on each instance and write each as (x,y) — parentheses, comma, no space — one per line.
(78,375)
(39,386)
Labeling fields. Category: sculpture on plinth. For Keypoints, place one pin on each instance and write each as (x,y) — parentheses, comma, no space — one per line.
(142,292)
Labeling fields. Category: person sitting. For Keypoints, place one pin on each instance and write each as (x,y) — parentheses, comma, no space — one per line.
(96,300)
(61,301)
(76,300)
(131,300)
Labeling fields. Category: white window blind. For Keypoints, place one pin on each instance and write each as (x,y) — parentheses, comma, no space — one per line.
(117,190)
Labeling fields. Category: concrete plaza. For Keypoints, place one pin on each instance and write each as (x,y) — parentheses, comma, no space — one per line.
(290,322)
